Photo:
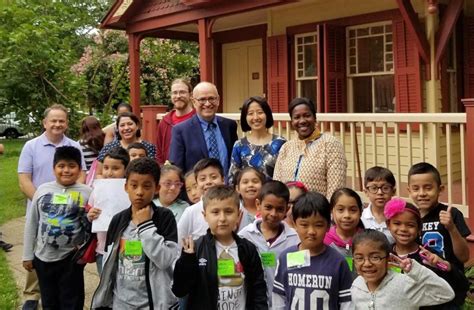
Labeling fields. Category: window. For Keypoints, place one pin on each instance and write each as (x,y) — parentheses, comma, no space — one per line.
(306,65)
(370,68)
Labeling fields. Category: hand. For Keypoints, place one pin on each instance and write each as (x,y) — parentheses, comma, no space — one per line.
(93,214)
(142,215)
(446,218)
(28,265)
(434,260)
(404,263)
(188,245)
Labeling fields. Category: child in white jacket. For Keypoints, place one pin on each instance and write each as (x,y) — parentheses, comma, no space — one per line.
(377,287)
(270,234)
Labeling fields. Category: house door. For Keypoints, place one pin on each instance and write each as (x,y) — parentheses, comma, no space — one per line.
(242,73)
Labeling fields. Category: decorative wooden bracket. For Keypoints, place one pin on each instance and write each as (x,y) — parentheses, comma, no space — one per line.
(413,24)
(446,26)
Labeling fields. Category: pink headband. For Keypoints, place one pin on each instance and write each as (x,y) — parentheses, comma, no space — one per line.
(396,206)
(297,184)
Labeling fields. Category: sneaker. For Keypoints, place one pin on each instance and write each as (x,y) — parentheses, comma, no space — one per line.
(30,305)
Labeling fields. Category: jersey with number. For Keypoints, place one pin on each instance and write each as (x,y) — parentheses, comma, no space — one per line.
(324,284)
(437,237)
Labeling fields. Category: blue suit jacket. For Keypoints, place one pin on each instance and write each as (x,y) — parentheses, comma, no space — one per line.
(188,145)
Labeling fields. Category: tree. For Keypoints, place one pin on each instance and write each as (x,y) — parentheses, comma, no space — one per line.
(104,73)
(39,41)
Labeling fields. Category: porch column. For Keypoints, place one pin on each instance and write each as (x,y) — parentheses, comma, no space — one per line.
(134,54)
(205,50)
(469,105)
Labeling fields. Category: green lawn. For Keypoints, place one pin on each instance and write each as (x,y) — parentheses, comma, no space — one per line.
(12,206)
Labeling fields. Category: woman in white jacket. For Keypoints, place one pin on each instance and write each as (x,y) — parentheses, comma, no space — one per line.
(378,287)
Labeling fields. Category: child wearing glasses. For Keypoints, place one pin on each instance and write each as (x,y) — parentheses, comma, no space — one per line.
(378,287)
(379,187)
(171,182)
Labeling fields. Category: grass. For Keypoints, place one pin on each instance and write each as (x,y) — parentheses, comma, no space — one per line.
(12,206)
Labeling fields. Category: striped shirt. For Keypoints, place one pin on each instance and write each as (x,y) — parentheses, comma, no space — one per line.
(89,154)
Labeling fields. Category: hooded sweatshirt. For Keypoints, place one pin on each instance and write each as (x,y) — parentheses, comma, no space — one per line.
(419,287)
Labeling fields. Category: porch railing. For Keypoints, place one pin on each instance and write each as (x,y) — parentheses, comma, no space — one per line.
(395,141)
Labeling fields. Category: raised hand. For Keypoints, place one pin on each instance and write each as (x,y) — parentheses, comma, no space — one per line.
(404,263)
(188,245)
(446,218)
(434,260)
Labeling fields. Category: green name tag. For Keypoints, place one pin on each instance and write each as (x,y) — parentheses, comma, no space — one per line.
(133,248)
(395,269)
(268,259)
(225,267)
(296,259)
(60,199)
(350,263)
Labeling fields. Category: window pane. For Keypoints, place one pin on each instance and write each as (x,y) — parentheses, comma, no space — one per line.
(362,94)
(307,88)
(384,94)
(370,54)
(310,60)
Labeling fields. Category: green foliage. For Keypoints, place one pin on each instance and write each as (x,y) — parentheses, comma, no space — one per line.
(39,41)
(52,52)
(469,303)
(13,205)
(104,73)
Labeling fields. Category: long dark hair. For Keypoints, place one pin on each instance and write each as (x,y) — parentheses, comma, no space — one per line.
(91,133)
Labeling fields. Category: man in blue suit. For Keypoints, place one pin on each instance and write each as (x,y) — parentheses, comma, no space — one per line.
(205,134)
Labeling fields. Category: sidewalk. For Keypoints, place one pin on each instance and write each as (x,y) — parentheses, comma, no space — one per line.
(13,233)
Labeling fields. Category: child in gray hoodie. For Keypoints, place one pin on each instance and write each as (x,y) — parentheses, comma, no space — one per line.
(378,287)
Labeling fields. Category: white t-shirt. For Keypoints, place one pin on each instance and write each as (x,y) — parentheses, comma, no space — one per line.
(192,222)
(232,295)
(371,223)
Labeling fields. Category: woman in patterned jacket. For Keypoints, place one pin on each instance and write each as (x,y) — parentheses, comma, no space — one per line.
(316,159)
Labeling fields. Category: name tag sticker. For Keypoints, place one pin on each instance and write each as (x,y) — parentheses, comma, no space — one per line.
(133,248)
(268,259)
(350,263)
(60,199)
(298,259)
(225,267)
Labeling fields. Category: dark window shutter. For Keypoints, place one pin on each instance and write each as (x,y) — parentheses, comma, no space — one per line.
(407,70)
(444,81)
(469,57)
(277,58)
(334,69)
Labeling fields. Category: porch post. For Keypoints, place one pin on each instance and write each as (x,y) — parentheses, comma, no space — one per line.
(205,49)
(469,105)
(134,54)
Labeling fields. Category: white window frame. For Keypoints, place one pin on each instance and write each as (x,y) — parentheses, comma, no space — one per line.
(350,86)
(306,78)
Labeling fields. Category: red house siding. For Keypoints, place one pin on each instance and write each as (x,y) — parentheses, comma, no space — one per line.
(277,49)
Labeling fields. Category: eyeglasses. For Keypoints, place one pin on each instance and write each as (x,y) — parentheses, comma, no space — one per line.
(374,259)
(204,100)
(386,189)
(179,93)
(172,184)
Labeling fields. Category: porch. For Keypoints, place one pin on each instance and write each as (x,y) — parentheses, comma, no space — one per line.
(395,141)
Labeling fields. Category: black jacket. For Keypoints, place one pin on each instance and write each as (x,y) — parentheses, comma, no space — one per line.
(196,275)
(158,236)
